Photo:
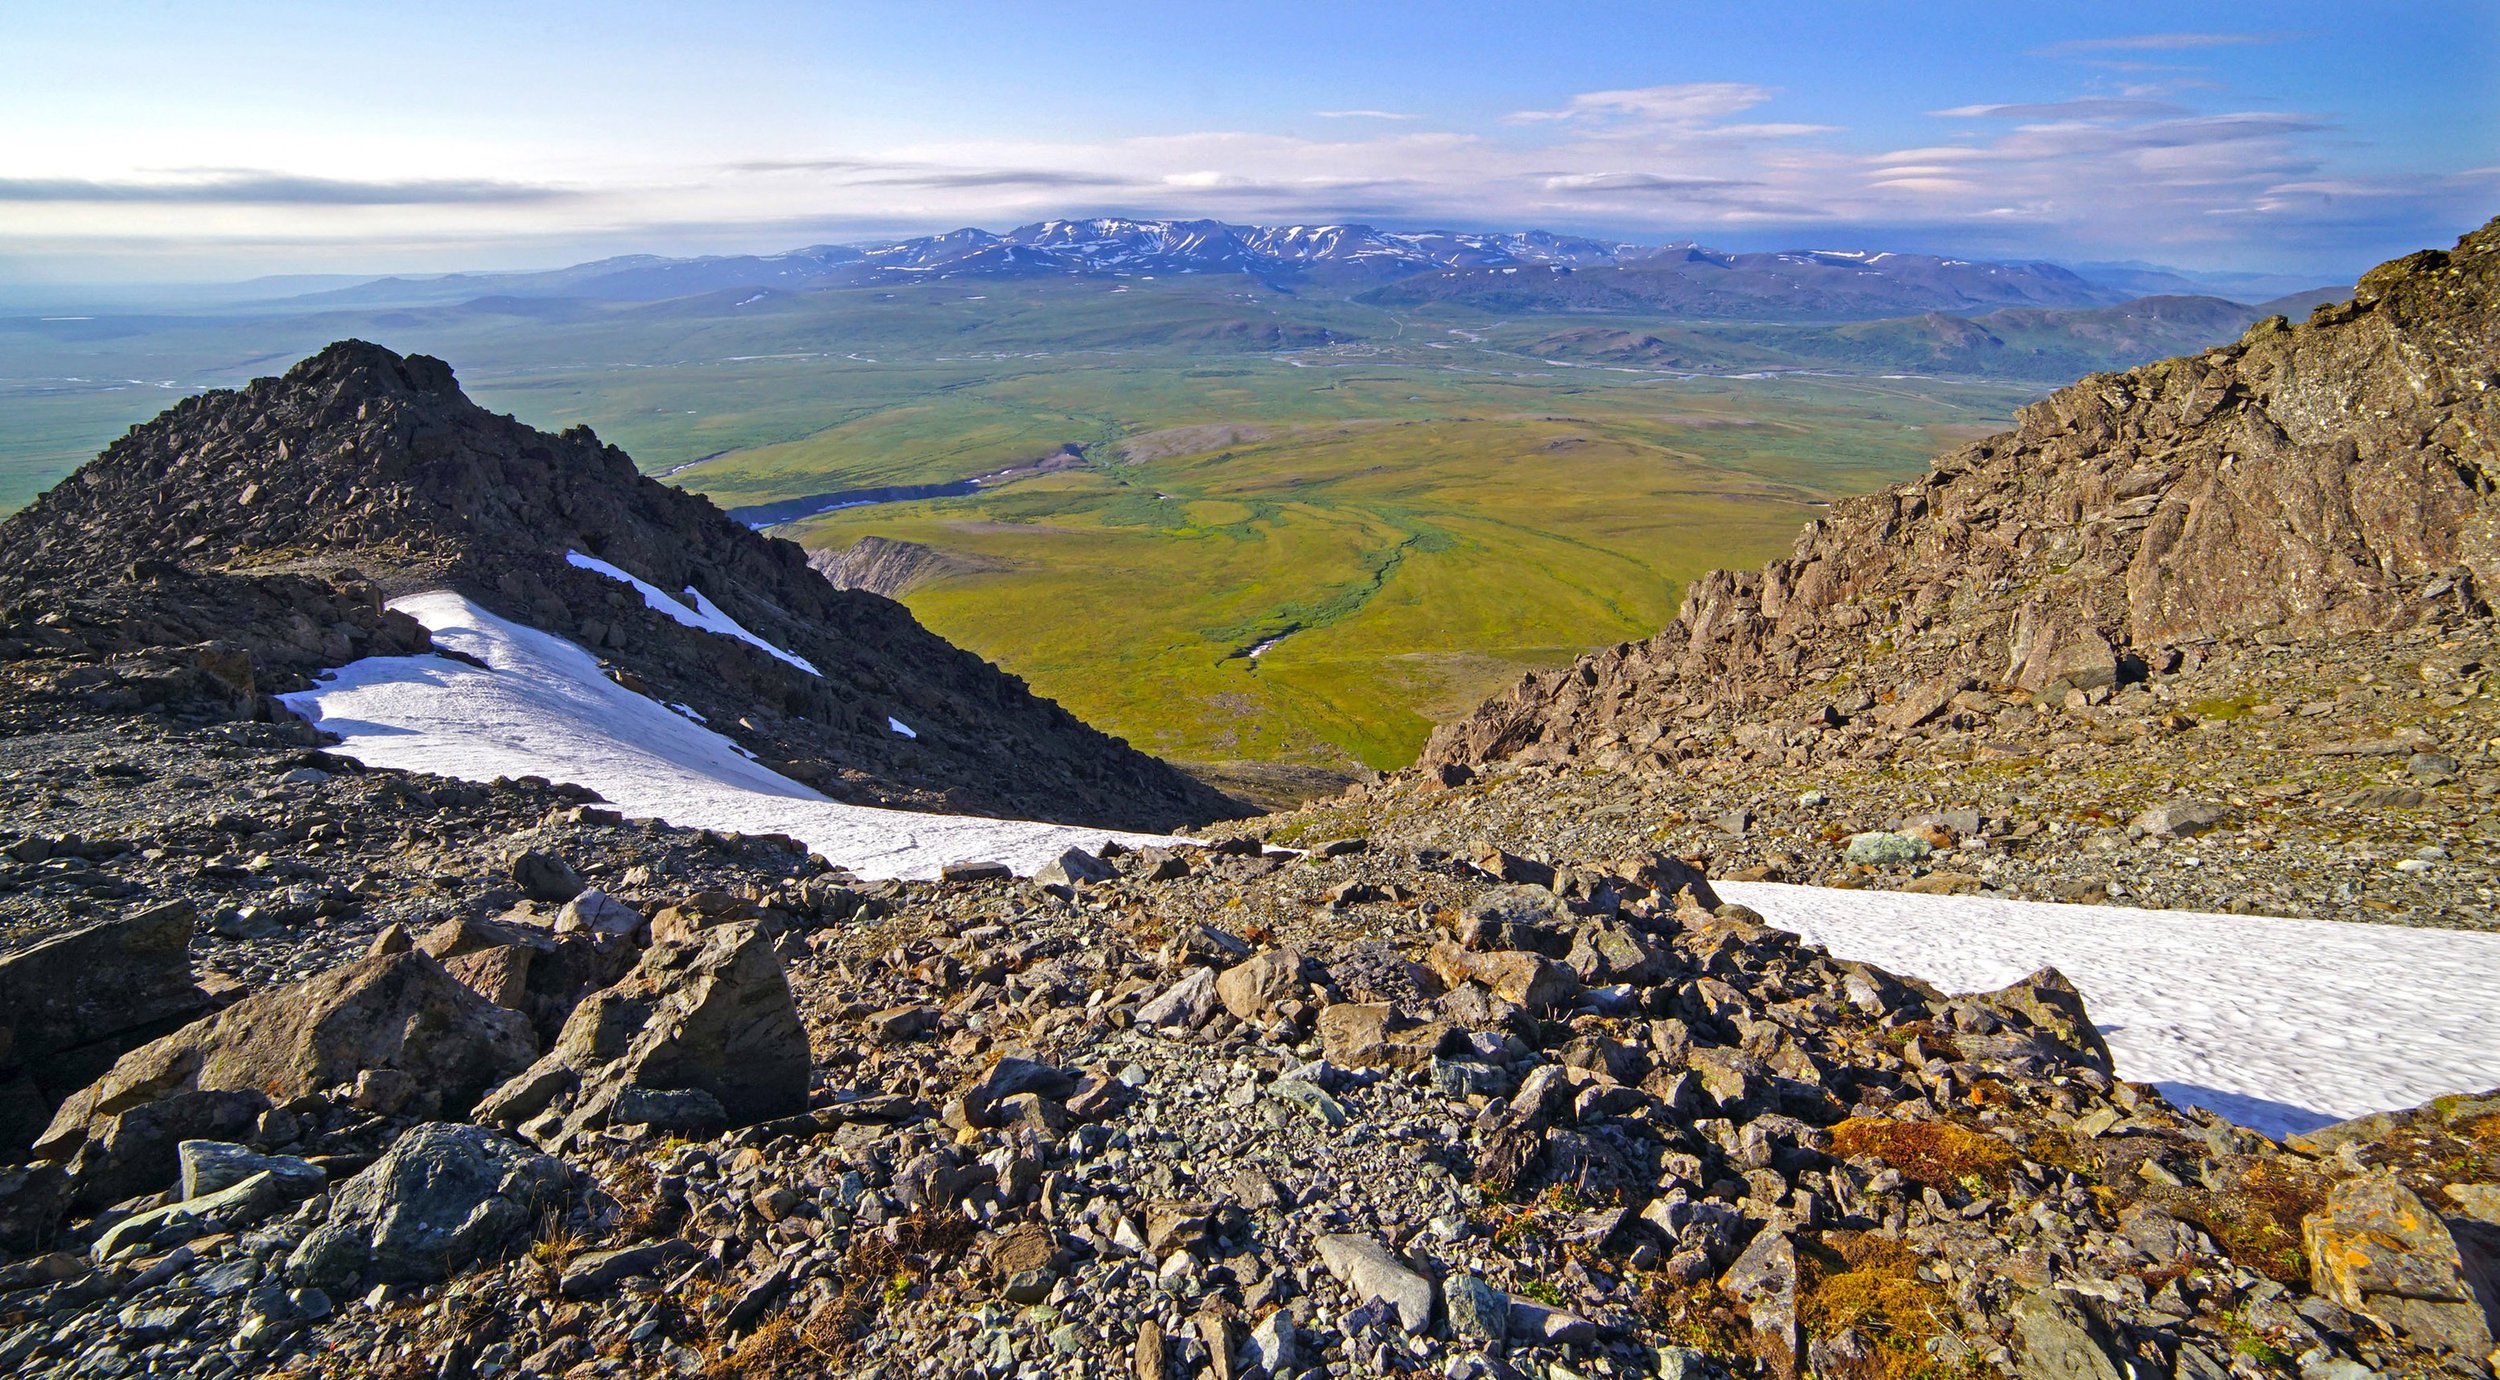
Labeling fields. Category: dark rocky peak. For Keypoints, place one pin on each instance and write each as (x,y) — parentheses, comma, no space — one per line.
(362,474)
(2308,481)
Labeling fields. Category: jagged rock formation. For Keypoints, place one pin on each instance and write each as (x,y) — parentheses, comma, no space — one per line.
(2309,480)
(881,565)
(246,538)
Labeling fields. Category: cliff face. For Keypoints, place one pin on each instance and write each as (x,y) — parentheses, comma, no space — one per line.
(2307,481)
(278,517)
(881,565)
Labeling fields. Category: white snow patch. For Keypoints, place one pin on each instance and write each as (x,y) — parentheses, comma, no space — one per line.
(544,709)
(705,616)
(2281,1025)
(898,726)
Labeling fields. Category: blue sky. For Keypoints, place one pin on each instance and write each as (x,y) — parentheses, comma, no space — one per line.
(199,140)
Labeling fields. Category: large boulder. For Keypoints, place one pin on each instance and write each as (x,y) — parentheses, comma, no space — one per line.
(2382,1252)
(443,1198)
(398,1012)
(704,1032)
(72,1003)
(2053,1010)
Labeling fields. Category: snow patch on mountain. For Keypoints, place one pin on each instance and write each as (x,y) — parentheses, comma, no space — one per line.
(704,616)
(2281,1025)
(543,708)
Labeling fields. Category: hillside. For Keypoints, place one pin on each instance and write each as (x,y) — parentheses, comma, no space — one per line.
(1706,283)
(360,476)
(2209,633)
(2308,480)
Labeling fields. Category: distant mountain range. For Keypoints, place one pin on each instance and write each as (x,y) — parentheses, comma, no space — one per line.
(1513,272)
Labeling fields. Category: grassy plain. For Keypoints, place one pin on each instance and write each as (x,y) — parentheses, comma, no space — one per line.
(1398,562)
(1409,507)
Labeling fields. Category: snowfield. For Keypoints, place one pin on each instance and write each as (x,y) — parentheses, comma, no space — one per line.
(545,710)
(705,616)
(2280,1025)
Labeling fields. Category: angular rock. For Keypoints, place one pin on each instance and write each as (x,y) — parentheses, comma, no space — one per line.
(2181,818)
(1182,1005)
(1524,979)
(2054,1009)
(2383,1253)
(1376,1035)
(1371,1271)
(1884,849)
(442,1198)
(598,913)
(1252,990)
(545,877)
(713,1015)
(1074,866)
(1479,1313)
(397,1011)
(597,1272)
(73,1003)
(1764,1280)
(231,1208)
(1543,1324)
(1275,1346)
(211,1165)
(139,1150)
(2057,1342)
(33,1199)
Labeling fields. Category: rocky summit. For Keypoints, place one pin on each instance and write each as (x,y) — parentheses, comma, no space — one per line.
(315,1069)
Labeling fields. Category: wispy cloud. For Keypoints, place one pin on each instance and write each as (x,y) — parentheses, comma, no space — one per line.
(2160,43)
(240,188)
(2096,108)
(1682,103)
(1365,115)
(1651,184)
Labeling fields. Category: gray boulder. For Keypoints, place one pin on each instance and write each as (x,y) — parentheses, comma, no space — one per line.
(1184,1004)
(211,1165)
(1074,866)
(1369,1271)
(443,1198)
(2180,818)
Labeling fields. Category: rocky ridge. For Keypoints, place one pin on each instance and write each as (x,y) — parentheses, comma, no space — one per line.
(2261,567)
(245,539)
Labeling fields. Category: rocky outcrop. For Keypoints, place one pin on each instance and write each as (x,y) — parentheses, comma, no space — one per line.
(73,1003)
(702,1035)
(2308,480)
(399,1013)
(2379,1250)
(274,520)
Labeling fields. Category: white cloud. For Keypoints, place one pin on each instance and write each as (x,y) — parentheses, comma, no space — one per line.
(1365,115)
(1682,103)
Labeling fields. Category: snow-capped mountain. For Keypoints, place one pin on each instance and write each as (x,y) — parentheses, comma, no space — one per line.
(1099,245)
